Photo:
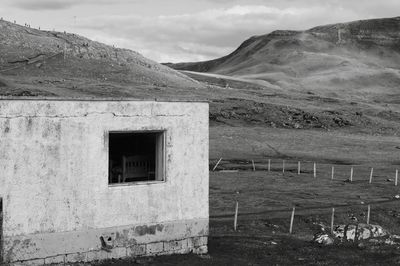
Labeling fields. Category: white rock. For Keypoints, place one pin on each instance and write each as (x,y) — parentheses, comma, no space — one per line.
(323,239)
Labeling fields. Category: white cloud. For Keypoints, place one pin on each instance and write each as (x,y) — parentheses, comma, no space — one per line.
(214,30)
(199,36)
(37,5)
(256,9)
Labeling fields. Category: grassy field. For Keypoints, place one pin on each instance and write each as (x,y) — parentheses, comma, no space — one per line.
(317,145)
(241,131)
(267,198)
(265,202)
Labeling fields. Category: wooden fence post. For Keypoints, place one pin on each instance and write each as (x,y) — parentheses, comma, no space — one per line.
(333,172)
(236,211)
(254,166)
(298,168)
(283,166)
(332,219)
(291,221)
(368,213)
(396,178)
(216,165)
(371,174)
(269,165)
(315,170)
(351,174)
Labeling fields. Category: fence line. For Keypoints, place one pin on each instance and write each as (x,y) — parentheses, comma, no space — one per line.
(289,166)
(300,209)
(291,223)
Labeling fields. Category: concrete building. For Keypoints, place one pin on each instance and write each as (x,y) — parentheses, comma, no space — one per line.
(84,180)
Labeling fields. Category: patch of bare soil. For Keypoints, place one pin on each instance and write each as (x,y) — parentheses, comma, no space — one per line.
(234,111)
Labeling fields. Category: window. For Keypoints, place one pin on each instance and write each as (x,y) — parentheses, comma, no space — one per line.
(136,156)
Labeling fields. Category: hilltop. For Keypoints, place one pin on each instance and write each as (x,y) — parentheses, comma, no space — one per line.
(360,59)
(339,76)
(35,62)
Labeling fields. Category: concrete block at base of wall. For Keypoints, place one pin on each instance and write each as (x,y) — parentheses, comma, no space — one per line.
(197,241)
(136,250)
(200,250)
(46,245)
(117,253)
(27,263)
(154,248)
(77,257)
(197,245)
(55,259)
(96,255)
(175,245)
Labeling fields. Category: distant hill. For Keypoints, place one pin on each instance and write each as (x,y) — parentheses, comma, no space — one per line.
(35,62)
(361,56)
(317,79)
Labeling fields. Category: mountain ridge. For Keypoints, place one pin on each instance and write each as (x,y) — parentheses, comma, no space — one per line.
(361,34)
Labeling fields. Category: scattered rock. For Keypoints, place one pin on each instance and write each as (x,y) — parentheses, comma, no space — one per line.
(358,232)
(324,239)
(271,225)
(353,218)
(205,256)
(361,245)
(394,213)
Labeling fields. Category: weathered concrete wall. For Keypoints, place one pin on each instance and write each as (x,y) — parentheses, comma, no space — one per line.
(54,176)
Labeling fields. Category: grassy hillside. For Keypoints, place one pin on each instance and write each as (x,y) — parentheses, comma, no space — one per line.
(359,60)
(34,62)
(342,78)
(285,94)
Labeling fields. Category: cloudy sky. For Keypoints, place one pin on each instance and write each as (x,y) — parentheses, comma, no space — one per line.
(187,30)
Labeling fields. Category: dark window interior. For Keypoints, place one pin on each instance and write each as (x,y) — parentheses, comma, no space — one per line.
(135,157)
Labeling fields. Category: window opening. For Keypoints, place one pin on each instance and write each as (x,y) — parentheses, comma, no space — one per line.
(136,157)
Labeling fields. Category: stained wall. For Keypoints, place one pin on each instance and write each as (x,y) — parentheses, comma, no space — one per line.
(54,176)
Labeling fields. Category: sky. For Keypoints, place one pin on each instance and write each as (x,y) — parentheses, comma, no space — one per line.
(187,30)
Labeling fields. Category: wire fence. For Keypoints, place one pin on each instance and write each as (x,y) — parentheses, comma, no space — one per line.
(351,172)
(374,209)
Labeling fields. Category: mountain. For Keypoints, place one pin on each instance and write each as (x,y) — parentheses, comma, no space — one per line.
(284,94)
(35,62)
(360,59)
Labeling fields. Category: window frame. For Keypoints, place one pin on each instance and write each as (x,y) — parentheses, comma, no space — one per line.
(163,171)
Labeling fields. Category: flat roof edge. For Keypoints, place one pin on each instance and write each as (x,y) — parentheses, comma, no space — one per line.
(96,99)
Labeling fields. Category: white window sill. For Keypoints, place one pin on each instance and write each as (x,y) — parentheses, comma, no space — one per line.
(137,183)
